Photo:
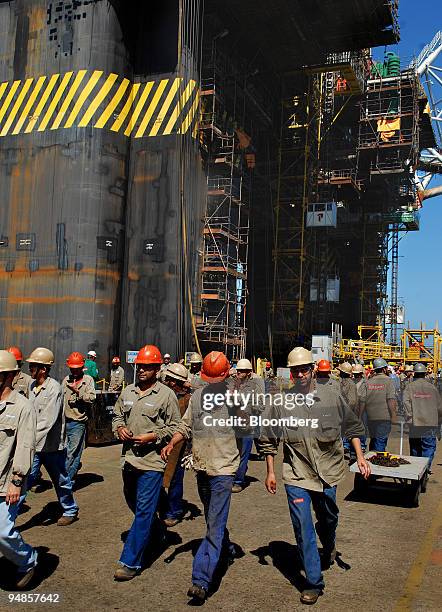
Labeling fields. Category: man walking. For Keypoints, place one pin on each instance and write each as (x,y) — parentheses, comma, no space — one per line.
(176,377)
(18,425)
(22,381)
(46,395)
(313,465)
(246,382)
(423,412)
(380,405)
(146,416)
(78,397)
(216,460)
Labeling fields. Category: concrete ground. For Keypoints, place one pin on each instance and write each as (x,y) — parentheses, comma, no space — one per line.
(390,555)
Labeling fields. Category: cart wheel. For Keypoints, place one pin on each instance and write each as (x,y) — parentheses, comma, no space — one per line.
(424,482)
(360,484)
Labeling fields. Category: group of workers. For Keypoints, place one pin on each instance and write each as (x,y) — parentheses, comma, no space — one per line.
(203,418)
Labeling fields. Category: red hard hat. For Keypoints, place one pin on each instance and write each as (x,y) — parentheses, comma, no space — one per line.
(148,355)
(75,360)
(268,364)
(215,367)
(324,366)
(116,360)
(16,352)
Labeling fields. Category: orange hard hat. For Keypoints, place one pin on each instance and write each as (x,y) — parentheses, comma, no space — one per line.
(324,365)
(116,360)
(149,355)
(16,352)
(75,360)
(215,367)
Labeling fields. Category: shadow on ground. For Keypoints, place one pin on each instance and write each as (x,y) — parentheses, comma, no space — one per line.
(47,564)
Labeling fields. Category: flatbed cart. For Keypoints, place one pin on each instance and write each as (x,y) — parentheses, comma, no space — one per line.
(410,478)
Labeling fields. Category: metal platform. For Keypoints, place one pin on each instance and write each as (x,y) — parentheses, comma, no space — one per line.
(411,478)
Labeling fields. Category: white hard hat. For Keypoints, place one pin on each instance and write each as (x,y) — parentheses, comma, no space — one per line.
(177,371)
(358,369)
(8,362)
(166,355)
(244,364)
(92,353)
(196,358)
(345,367)
(41,355)
(299,356)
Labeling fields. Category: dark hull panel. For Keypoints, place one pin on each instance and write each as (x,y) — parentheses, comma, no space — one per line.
(62,190)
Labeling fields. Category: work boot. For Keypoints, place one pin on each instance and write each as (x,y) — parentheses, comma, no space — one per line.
(310,596)
(64,521)
(328,558)
(196,592)
(24,579)
(124,573)
(171,522)
(237,488)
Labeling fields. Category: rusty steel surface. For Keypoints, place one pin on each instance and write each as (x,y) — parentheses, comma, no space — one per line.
(68,188)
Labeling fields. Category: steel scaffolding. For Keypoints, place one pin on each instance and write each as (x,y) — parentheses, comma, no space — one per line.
(224,261)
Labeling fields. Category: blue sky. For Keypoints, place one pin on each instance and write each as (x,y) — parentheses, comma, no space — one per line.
(420,285)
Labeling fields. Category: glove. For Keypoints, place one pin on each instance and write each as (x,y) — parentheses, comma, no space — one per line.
(187,461)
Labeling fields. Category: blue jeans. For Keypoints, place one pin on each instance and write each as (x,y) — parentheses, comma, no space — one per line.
(142,491)
(379,432)
(347,443)
(76,438)
(215,493)
(246,449)
(55,464)
(423,443)
(12,545)
(175,494)
(326,511)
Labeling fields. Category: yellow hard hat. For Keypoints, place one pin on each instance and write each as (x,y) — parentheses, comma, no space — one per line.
(299,356)
(41,355)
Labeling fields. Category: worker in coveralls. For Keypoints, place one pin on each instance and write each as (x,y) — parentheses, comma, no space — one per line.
(323,374)
(350,395)
(116,382)
(46,395)
(313,463)
(246,381)
(78,397)
(380,405)
(146,415)
(196,362)
(18,425)
(361,389)
(215,452)
(408,377)
(423,412)
(176,377)
(22,381)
